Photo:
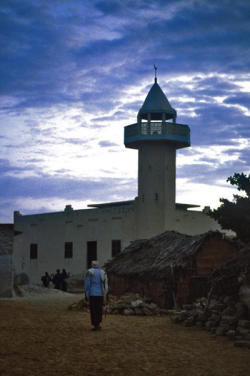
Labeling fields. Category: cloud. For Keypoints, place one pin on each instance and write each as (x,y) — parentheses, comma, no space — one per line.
(242,99)
(107,144)
(75,73)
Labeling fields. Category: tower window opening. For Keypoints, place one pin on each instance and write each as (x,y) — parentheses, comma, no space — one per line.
(156,196)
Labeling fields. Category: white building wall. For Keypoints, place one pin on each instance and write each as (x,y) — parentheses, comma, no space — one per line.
(192,222)
(51,231)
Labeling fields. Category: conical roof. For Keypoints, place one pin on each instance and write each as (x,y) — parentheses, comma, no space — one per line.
(156,103)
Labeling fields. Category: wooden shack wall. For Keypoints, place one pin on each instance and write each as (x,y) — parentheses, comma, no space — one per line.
(158,291)
(213,253)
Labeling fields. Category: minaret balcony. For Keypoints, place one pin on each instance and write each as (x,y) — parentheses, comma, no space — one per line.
(177,134)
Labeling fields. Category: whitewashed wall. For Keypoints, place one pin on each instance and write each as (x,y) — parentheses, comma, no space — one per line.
(51,231)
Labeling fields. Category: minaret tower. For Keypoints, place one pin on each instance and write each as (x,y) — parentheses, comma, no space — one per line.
(156,140)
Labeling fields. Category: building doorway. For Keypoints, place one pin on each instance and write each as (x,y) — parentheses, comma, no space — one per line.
(91,252)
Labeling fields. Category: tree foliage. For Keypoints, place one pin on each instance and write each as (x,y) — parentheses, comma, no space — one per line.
(235,215)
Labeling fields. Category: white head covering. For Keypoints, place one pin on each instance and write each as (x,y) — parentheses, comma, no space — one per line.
(95,264)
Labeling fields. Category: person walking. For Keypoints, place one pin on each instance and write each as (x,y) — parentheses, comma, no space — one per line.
(64,276)
(96,288)
(46,279)
(57,280)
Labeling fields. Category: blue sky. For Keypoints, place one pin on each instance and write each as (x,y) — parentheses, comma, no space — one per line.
(74,73)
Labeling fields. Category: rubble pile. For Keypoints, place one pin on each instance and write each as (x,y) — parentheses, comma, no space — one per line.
(128,304)
(222,317)
(81,305)
(134,304)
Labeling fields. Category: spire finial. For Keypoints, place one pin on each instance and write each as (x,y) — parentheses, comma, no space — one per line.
(155,68)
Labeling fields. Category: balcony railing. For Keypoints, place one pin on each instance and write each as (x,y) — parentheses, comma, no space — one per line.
(157,128)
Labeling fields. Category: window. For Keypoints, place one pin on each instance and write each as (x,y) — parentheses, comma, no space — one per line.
(116,247)
(91,252)
(33,251)
(68,250)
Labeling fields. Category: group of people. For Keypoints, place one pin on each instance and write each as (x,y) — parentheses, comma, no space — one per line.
(58,279)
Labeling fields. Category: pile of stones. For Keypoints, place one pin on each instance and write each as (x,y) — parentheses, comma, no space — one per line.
(134,304)
(222,317)
(81,305)
(128,304)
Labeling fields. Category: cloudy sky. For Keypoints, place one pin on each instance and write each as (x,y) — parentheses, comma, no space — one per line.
(75,72)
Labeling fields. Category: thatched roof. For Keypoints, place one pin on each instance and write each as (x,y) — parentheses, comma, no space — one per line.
(159,255)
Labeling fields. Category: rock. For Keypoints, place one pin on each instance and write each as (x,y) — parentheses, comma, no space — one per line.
(128,312)
(215,318)
(202,316)
(229,311)
(179,317)
(244,324)
(242,331)
(176,319)
(146,311)
(82,305)
(120,305)
(188,323)
(188,307)
(220,331)
(163,311)
(242,344)
(218,307)
(172,311)
(228,320)
(136,303)
(231,334)
(138,311)
(210,324)
(229,301)
(239,338)
(114,311)
(200,324)
(241,311)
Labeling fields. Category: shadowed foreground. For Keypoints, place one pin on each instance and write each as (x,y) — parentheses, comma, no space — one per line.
(44,338)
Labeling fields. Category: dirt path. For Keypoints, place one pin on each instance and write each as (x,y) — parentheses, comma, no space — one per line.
(44,338)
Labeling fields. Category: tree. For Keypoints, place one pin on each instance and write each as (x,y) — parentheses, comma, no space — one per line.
(235,215)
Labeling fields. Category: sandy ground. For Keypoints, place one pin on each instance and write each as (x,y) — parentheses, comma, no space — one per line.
(39,336)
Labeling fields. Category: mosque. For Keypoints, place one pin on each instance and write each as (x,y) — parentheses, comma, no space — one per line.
(71,239)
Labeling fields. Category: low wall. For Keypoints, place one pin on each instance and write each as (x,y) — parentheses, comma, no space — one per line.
(6,249)
(5,276)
